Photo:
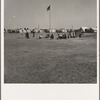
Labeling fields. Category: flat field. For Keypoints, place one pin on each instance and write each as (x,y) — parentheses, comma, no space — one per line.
(36,60)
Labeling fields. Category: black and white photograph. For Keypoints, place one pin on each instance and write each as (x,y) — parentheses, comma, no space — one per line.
(50,41)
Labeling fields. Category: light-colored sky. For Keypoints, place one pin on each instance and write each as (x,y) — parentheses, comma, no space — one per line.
(64,13)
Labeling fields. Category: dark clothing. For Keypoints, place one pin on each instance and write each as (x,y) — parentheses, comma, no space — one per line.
(33,34)
(80,35)
(27,35)
(52,36)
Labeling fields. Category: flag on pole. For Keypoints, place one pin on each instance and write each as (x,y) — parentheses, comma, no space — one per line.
(48,8)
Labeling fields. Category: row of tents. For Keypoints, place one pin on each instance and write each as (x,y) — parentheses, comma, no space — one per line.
(88,30)
(61,30)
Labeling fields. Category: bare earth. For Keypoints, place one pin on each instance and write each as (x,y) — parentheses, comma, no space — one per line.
(50,61)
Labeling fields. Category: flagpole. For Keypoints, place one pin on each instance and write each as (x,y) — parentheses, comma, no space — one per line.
(50,19)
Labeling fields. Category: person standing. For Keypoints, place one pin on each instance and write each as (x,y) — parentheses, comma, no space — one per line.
(52,36)
(79,34)
(24,31)
(27,33)
(33,33)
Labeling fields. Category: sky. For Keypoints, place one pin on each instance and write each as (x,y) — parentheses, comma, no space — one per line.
(64,13)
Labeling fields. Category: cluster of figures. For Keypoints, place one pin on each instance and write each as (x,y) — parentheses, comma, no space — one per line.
(62,36)
(51,36)
(26,31)
(47,36)
(67,35)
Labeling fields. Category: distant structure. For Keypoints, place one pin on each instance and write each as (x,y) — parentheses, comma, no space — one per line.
(83,29)
(95,29)
(88,30)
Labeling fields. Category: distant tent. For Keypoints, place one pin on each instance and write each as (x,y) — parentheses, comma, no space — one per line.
(62,30)
(36,30)
(53,30)
(83,29)
(88,30)
(95,29)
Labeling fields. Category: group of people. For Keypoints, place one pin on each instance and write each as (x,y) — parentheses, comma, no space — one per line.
(67,35)
(62,36)
(47,36)
(51,36)
(26,31)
